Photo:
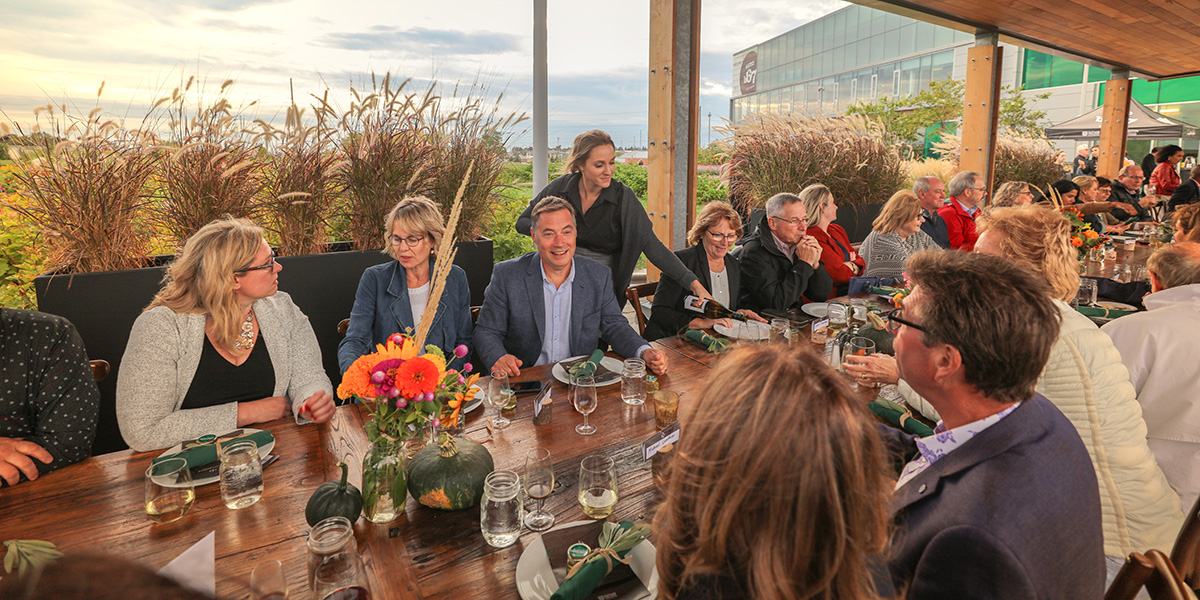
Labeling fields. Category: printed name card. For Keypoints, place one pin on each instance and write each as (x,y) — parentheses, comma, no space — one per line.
(669,435)
(539,400)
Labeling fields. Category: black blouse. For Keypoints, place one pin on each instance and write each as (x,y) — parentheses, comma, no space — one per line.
(218,381)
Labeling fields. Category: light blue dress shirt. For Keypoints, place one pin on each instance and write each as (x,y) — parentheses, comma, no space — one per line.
(556,341)
(944,441)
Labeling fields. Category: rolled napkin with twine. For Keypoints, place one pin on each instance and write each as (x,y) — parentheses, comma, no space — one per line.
(616,541)
(588,367)
(1103,313)
(207,453)
(899,416)
(706,341)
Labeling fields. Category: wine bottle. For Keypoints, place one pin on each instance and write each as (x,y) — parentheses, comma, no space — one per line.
(711,309)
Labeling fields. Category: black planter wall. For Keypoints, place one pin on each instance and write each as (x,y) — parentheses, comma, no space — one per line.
(103,307)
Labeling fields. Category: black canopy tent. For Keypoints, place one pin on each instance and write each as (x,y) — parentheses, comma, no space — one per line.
(1144,124)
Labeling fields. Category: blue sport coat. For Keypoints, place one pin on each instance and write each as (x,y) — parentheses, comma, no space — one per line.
(1012,513)
(935,227)
(513,317)
(381,308)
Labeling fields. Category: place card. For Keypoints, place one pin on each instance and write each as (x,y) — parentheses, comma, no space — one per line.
(541,398)
(669,435)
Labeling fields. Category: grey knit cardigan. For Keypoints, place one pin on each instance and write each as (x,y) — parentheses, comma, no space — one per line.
(161,359)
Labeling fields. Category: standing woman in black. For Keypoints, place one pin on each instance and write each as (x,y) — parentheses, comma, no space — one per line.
(612,227)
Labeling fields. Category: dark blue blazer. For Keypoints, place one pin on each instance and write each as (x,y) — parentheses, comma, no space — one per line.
(381,308)
(935,227)
(513,317)
(1012,513)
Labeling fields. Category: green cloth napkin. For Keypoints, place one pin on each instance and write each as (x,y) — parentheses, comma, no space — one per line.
(589,575)
(1103,313)
(886,290)
(709,342)
(892,413)
(589,367)
(207,454)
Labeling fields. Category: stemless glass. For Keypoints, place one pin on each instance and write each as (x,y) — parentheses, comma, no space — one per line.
(1086,296)
(267,581)
(839,315)
(861,346)
(169,490)
(341,576)
(633,382)
(539,483)
(499,393)
(500,508)
(241,474)
(779,330)
(584,396)
(597,486)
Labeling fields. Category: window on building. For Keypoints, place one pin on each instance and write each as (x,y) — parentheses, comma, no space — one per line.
(1043,70)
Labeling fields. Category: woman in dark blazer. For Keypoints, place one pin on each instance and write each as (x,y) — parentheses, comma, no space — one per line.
(392,296)
(707,256)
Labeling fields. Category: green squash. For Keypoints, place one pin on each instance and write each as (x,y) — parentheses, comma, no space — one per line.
(334,499)
(876,331)
(449,475)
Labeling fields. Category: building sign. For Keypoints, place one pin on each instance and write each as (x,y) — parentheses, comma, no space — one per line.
(749,74)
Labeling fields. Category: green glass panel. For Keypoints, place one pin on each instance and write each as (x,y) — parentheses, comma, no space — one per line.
(1064,71)
(1036,71)
(1185,89)
(1097,74)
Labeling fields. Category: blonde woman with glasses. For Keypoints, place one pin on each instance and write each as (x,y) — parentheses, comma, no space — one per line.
(220,347)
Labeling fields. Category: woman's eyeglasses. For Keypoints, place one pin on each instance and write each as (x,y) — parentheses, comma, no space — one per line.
(270,264)
(409,241)
(728,237)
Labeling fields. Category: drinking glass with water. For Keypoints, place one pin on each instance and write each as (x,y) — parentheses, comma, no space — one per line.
(241,474)
(633,382)
(501,508)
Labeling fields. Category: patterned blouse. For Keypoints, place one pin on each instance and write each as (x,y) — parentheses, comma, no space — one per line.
(886,253)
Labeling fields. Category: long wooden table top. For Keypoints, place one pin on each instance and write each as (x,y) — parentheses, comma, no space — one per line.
(97,505)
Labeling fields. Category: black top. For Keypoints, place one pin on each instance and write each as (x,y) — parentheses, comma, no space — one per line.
(771,280)
(47,393)
(600,227)
(218,381)
(1084,165)
(1120,194)
(668,317)
(1188,192)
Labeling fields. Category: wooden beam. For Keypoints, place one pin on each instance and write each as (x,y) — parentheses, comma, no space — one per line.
(660,156)
(981,101)
(693,114)
(1115,128)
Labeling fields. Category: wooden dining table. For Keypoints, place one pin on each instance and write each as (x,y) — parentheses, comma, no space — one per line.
(97,505)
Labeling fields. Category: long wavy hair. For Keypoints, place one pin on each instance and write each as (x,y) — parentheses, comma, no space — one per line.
(1039,237)
(901,208)
(200,280)
(778,482)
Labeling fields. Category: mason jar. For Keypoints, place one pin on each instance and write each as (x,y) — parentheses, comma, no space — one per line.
(633,382)
(501,508)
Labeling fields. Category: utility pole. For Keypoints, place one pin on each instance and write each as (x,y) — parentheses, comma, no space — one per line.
(541,163)
(709,129)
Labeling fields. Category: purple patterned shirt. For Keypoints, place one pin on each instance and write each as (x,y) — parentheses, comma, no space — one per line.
(943,442)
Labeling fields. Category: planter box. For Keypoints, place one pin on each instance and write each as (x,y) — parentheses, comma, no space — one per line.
(103,307)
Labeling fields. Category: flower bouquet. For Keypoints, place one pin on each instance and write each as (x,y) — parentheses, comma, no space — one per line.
(1083,237)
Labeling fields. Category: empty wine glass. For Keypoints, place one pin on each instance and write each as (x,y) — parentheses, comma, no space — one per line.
(539,483)
(267,581)
(584,396)
(499,394)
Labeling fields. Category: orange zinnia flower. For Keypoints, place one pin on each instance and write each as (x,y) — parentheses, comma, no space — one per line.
(417,376)
(1076,241)
(1089,234)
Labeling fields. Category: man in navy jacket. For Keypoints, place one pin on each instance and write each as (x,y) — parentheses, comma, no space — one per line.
(1002,501)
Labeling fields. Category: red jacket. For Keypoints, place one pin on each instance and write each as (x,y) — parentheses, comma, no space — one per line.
(960,225)
(1164,179)
(833,240)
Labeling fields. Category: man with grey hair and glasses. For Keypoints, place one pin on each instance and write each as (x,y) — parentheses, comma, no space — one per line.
(781,264)
(931,192)
(966,199)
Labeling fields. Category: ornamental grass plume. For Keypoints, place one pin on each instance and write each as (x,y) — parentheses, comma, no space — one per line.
(784,153)
(1017,159)
(85,189)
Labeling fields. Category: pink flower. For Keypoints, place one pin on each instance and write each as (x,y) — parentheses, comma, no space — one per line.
(401,403)
(394,392)
(378,376)
(460,351)
(462,380)
(429,396)
(467,368)
(437,422)
(396,339)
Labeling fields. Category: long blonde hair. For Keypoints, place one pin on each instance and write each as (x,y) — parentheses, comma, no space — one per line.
(901,208)
(200,280)
(779,482)
(1040,237)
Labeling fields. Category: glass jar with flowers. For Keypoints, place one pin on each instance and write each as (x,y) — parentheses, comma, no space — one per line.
(406,392)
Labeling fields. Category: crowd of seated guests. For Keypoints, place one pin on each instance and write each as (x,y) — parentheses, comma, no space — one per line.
(1085,438)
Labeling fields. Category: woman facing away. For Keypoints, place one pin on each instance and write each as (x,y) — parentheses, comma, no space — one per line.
(612,227)
(840,259)
(392,297)
(219,347)
(896,236)
(716,230)
(743,517)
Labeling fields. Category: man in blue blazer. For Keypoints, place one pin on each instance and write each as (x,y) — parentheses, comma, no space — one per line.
(550,305)
(931,192)
(1002,501)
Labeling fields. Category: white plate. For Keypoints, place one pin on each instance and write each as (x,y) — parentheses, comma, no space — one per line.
(535,579)
(476,401)
(748,330)
(1109,304)
(263,451)
(816,309)
(615,365)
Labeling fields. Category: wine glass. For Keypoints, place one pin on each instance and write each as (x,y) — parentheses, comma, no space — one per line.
(539,483)
(267,581)
(169,490)
(584,396)
(499,393)
(597,486)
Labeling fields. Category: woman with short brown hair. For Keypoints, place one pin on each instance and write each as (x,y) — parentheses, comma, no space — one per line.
(896,236)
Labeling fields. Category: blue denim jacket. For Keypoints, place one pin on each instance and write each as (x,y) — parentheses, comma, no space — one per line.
(381,308)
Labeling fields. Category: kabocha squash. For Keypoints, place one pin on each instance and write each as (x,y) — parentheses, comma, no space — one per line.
(334,499)
(876,331)
(450,474)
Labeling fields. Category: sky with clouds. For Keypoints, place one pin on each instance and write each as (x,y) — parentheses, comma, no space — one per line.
(51,50)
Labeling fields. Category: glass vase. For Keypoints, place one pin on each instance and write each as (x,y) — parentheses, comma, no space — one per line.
(385,482)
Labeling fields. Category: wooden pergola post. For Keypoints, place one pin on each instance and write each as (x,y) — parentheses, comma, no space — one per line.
(1115,128)
(673,119)
(981,103)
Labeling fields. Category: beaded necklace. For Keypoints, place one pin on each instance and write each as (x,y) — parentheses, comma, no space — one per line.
(245,339)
